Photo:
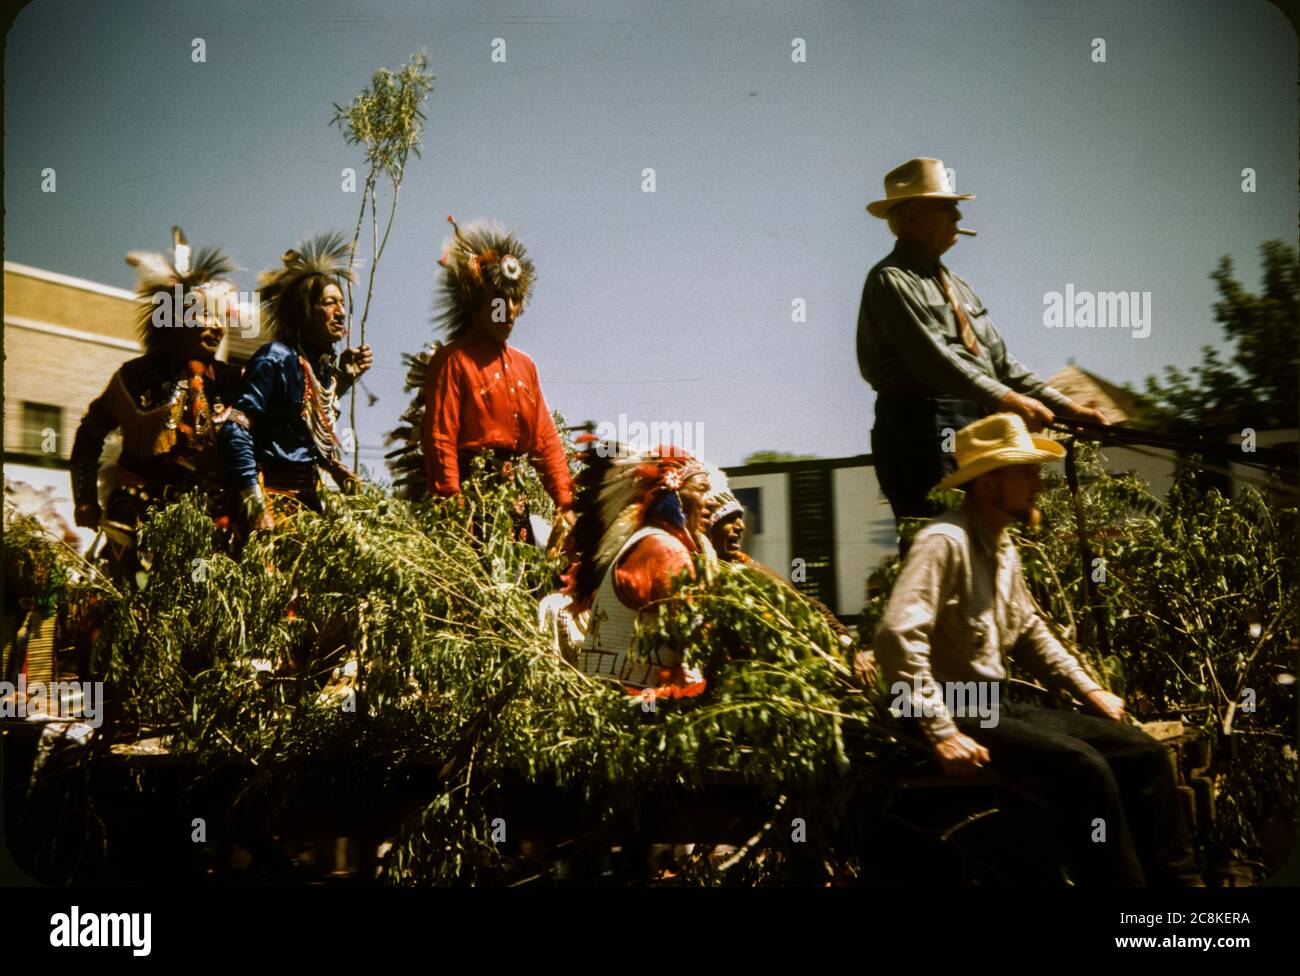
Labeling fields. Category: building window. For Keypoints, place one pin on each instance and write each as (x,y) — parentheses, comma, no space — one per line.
(42,427)
(812,532)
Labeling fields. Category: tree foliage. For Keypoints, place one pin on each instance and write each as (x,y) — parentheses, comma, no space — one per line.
(1256,385)
(386,119)
(242,666)
(770,457)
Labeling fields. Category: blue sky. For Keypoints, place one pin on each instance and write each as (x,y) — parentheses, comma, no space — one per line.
(675,305)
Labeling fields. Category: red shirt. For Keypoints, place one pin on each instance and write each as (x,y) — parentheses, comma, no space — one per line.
(477,395)
(644,575)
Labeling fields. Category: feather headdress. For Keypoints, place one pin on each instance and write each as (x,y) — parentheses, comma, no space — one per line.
(287,292)
(157,277)
(725,502)
(616,492)
(479,257)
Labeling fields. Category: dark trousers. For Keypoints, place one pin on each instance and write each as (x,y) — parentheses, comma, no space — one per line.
(907,447)
(1090,769)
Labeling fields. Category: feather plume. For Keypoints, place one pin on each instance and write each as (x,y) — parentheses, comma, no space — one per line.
(614,494)
(284,290)
(158,275)
(180,250)
(720,494)
(406,460)
(480,258)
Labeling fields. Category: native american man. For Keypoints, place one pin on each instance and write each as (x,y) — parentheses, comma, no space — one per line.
(168,403)
(482,396)
(641,522)
(282,424)
(726,527)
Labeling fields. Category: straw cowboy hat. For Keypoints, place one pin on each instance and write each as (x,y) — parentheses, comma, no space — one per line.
(997,441)
(921,178)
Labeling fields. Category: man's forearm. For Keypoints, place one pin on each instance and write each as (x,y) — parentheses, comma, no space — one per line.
(1054,398)
(902,641)
(235,445)
(1054,662)
(926,354)
(938,369)
(904,656)
(85,482)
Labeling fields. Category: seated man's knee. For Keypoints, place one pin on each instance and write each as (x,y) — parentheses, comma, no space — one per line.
(1156,757)
(1089,766)
(1143,748)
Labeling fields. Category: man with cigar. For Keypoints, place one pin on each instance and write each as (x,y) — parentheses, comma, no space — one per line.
(928,348)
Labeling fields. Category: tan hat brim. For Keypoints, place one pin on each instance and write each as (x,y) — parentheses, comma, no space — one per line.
(1047,450)
(881,208)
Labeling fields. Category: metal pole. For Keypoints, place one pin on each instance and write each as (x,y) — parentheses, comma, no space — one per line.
(1091,598)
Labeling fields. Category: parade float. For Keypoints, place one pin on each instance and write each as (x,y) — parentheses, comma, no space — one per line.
(367,695)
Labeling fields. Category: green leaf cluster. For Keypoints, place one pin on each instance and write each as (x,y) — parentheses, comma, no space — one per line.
(389,643)
(386,117)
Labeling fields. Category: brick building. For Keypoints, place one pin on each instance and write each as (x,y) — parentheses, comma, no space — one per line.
(63,338)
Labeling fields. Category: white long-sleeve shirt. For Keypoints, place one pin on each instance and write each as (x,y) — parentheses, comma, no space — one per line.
(959,606)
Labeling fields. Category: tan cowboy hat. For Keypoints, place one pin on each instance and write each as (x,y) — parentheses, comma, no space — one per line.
(997,441)
(921,178)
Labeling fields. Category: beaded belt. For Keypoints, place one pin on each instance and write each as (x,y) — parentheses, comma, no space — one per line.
(604,664)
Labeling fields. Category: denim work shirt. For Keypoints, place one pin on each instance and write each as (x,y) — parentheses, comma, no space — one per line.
(959,606)
(909,340)
(271,398)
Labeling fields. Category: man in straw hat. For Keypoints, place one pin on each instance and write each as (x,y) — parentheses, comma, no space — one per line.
(927,346)
(959,606)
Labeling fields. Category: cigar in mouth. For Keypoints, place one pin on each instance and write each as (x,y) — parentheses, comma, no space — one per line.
(966,231)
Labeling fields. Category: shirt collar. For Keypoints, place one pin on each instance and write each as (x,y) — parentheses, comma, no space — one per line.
(479,341)
(988,539)
(905,256)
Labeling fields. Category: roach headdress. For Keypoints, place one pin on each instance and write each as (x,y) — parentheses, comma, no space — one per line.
(617,491)
(288,291)
(480,258)
(726,504)
(169,287)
